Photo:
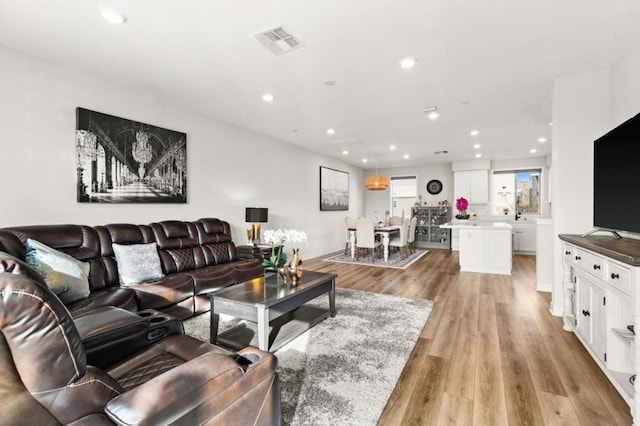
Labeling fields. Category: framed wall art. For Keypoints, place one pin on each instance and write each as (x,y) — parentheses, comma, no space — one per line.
(334,189)
(125,161)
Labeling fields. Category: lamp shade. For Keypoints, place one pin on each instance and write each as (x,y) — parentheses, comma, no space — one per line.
(376,183)
(256,214)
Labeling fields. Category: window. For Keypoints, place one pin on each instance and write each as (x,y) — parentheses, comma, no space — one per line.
(516,191)
(403,195)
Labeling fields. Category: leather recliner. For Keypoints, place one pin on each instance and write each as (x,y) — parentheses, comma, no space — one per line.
(177,380)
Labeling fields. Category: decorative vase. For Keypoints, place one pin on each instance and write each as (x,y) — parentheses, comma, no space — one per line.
(294,267)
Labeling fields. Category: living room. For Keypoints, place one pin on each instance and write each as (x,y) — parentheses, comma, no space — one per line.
(230,167)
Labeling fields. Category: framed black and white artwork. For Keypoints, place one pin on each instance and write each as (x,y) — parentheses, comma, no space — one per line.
(124,161)
(334,189)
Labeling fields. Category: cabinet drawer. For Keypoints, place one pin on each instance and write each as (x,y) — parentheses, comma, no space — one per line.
(619,277)
(590,263)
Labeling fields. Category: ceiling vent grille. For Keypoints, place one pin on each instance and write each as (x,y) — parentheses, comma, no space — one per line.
(277,40)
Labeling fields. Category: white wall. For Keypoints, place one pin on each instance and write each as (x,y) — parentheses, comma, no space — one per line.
(377,202)
(228,168)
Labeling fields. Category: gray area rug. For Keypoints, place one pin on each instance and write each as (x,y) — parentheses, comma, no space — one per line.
(343,370)
(395,261)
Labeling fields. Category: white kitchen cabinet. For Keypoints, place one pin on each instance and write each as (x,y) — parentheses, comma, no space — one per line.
(472,185)
(485,249)
(524,240)
(600,277)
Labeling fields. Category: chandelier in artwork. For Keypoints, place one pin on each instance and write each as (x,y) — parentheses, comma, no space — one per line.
(142,151)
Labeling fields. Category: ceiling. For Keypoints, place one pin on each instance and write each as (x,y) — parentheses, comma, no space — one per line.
(486,65)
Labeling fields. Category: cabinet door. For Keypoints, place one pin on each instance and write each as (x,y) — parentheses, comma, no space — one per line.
(583,308)
(598,322)
(472,248)
(461,186)
(479,186)
(528,240)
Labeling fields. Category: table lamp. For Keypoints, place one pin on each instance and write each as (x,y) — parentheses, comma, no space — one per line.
(256,215)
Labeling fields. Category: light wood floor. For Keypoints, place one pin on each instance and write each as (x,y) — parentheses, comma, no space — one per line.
(490,353)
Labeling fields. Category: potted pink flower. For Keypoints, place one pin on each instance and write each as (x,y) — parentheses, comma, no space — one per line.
(461,205)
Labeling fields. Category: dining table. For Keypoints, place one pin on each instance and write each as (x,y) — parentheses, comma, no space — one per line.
(383,230)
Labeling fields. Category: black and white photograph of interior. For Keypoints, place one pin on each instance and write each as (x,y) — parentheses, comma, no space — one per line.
(125,161)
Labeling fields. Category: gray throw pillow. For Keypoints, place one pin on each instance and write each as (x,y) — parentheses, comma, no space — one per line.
(65,275)
(137,263)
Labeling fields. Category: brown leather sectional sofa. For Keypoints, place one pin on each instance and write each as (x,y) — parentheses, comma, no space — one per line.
(172,378)
(197,257)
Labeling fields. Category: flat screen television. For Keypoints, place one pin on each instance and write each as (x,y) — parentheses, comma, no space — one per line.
(616,188)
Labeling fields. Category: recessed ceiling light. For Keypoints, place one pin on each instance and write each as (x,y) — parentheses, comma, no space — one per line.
(392,147)
(542,140)
(406,156)
(268,97)
(330,131)
(478,155)
(329,82)
(477,146)
(550,123)
(474,132)
(533,150)
(345,152)
(408,62)
(364,160)
(113,17)
(432,112)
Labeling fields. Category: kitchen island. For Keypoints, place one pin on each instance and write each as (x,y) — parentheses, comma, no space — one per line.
(485,247)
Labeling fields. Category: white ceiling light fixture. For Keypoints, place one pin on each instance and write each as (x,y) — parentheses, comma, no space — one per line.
(331,131)
(112,16)
(345,152)
(406,156)
(542,140)
(533,150)
(408,62)
(364,160)
(478,155)
(392,147)
(268,97)
(474,132)
(477,146)
(432,112)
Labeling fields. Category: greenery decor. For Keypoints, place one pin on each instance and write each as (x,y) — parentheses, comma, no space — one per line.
(277,238)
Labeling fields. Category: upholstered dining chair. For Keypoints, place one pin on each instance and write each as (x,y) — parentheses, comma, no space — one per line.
(411,238)
(365,237)
(348,224)
(401,241)
(395,220)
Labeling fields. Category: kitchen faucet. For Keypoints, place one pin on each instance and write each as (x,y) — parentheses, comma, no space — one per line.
(518,214)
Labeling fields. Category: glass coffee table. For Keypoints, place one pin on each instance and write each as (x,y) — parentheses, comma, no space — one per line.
(274,314)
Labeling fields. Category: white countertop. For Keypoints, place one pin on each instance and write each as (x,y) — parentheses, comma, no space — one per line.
(473,224)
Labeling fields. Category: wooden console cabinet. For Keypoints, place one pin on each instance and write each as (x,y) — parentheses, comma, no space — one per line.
(601,275)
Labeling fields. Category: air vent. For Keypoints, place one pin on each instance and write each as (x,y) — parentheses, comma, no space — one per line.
(277,40)
(344,141)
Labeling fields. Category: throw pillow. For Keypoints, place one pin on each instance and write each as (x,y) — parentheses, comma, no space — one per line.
(65,275)
(137,263)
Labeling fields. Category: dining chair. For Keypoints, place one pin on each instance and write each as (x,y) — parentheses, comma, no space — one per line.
(365,237)
(402,240)
(348,224)
(411,238)
(395,220)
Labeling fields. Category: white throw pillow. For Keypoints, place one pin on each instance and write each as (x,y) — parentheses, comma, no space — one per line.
(137,263)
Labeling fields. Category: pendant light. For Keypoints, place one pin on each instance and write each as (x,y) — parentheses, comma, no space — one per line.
(377,182)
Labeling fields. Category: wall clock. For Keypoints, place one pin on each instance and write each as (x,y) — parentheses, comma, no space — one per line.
(434,187)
